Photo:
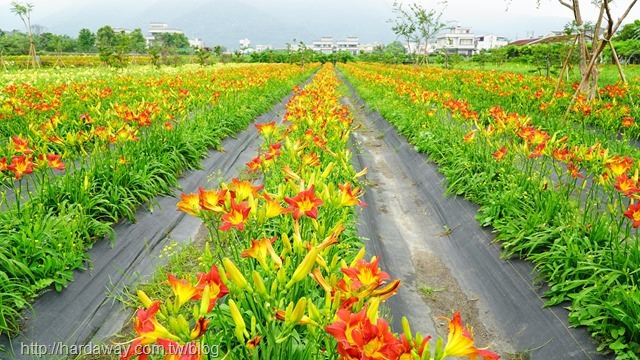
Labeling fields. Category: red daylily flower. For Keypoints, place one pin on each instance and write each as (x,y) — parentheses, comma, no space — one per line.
(20,145)
(366,274)
(217,288)
(305,203)
(500,154)
(626,185)
(54,162)
(21,165)
(633,213)
(573,170)
(236,216)
(627,122)
(359,338)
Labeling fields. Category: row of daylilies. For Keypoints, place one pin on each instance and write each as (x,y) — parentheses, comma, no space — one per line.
(289,278)
(561,199)
(82,149)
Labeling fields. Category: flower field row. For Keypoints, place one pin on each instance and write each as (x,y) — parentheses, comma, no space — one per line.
(284,275)
(606,119)
(78,155)
(561,200)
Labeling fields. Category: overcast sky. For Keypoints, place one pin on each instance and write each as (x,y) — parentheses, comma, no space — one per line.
(518,19)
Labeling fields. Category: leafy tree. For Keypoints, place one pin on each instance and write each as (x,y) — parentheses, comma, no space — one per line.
(174,41)
(219,49)
(417,24)
(203,55)
(24,12)
(86,40)
(629,32)
(138,43)
(106,41)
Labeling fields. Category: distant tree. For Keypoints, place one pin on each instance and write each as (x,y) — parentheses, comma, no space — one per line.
(106,41)
(427,26)
(629,32)
(219,49)
(24,12)
(404,25)
(86,40)
(138,42)
(174,41)
(203,55)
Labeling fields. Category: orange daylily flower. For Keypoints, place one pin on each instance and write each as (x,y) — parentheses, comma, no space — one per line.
(470,136)
(3,164)
(627,122)
(241,190)
(54,162)
(189,203)
(273,208)
(212,200)
(460,342)
(626,185)
(573,170)
(149,331)
(633,213)
(182,289)
(305,203)
(619,165)
(538,151)
(500,154)
(274,150)
(359,338)
(349,197)
(267,129)
(217,288)
(260,249)
(561,154)
(236,216)
(20,145)
(366,274)
(175,351)
(21,165)
(253,343)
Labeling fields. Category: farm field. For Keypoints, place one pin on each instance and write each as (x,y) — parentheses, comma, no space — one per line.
(283,272)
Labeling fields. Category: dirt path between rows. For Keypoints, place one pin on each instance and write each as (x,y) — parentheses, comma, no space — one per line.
(446,261)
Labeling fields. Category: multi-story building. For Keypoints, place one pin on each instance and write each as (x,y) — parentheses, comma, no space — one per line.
(158,28)
(486,42)
(349,44)
(324,45)
(459,40)
(261,48)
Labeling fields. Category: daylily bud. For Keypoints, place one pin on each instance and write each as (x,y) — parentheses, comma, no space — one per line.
(327,170)
(359,255)
(257,281)
(372,310)
(144,299)
(286,244)
(304,268)
(235,274)
(241,327)
(204,302)
(298,311)
(406,328)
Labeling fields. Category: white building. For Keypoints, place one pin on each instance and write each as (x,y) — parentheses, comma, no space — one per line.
(198,43)
(324,45)
(458,40)
(369,48)
(244,43)
(486,42)
(261,48)
(349,44)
